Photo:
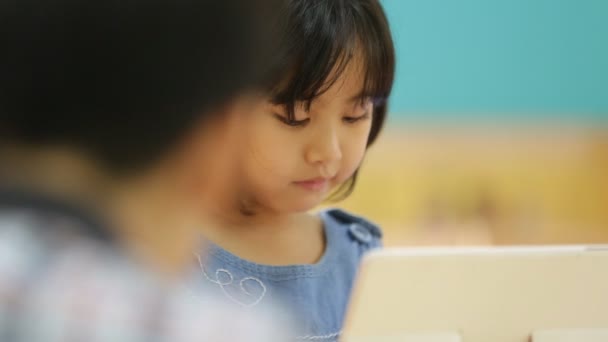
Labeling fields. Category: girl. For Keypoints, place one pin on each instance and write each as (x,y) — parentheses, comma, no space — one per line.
(325,110)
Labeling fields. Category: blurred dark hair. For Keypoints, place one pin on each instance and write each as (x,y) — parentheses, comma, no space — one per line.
(124,80)
(320,39)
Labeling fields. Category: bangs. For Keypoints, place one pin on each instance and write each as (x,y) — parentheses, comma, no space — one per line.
(322,39)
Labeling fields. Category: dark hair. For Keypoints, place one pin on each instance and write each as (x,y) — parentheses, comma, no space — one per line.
(320,39)
(125,80)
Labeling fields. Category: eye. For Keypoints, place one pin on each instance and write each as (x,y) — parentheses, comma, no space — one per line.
(291,123)
(354,119)
(362,110)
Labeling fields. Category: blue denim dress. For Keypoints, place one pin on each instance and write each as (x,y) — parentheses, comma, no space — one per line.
(314,297)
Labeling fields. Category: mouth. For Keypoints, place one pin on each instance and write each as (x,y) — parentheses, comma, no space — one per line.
(315,184)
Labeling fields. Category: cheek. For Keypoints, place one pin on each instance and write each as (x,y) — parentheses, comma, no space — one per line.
(270,152)
(353,151)
(352,159)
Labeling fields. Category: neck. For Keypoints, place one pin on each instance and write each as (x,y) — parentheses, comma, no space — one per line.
(136,211)
(241,215)
(56,172)
(268,237)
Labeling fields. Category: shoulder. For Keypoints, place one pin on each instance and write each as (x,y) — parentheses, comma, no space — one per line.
(357,228)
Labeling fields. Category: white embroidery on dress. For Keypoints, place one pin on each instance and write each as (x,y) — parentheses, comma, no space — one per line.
(223,278)
(323,337)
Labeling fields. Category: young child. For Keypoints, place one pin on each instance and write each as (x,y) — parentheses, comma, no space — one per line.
(308,145)
(108,109)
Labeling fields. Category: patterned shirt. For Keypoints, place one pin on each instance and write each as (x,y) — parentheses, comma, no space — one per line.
(63,279)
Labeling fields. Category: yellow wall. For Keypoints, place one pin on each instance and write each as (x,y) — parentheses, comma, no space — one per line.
(525,185)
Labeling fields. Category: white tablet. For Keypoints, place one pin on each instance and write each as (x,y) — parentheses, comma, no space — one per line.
(517,294)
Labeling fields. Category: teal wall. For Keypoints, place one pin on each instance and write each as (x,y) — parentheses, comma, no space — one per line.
(500,59)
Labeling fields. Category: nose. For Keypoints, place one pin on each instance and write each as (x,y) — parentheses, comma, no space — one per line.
(324,147)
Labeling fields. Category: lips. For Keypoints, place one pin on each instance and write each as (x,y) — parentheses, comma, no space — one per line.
(315,184)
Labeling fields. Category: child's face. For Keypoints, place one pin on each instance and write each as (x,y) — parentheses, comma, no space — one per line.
(293,166)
